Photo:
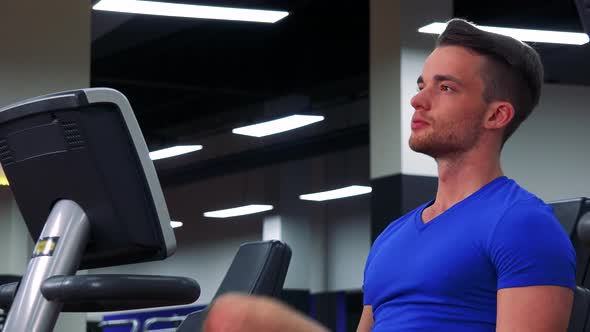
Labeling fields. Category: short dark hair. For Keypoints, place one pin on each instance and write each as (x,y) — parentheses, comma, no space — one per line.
(513,72)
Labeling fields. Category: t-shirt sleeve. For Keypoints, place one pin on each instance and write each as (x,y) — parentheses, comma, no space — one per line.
(530,248)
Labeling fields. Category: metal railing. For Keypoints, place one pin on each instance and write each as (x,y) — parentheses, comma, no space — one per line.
(154,320)
(121,322)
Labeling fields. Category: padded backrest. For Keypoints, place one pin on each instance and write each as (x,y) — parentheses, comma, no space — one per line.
(569,213)
(259,268)
(580,310)
(583,228)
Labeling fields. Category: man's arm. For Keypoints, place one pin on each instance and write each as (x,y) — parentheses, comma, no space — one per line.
(366,322)
(240,313)
(534,308)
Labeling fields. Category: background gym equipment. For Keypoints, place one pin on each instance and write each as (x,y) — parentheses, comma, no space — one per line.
(258,268)
(81,175)
(574,216)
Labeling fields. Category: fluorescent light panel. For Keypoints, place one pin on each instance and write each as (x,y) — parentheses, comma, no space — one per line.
(278,126)
(176,224)
(541,36)
(337,193)
(238,211)
(174,151)
(192,11)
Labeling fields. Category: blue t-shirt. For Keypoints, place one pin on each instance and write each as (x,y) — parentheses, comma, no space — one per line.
(444,275)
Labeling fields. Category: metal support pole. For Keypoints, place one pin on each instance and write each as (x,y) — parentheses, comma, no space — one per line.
(58,251)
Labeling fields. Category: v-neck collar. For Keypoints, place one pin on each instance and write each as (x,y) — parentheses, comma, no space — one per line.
(420,225)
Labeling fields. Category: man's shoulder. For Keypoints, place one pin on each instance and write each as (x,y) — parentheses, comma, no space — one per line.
(512,199)
(512,194)
(529,212)
(519,203)
(406,217)
(398,223)
(528,247)
(525,220)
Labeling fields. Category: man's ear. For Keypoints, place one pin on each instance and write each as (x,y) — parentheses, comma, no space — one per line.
(499,114)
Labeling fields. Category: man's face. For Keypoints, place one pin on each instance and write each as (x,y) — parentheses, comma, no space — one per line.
(449,107)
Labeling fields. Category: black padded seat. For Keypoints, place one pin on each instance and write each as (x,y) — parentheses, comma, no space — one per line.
(259,268)
(580,310)
(570,214)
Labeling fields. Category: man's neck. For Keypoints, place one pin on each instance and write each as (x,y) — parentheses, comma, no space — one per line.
(461,176)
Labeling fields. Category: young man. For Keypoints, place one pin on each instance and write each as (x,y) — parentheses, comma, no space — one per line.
(485,254)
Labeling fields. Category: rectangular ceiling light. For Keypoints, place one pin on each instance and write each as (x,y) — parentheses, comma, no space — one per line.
(192,11)
(337,193)
(174,151)
(238,211)
(278,126)
(176,224)
(540,36)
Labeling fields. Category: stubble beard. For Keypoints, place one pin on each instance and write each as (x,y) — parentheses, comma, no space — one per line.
(443,142)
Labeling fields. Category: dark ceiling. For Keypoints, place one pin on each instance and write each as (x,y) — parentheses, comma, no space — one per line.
(201,69)
(565,64)
(194,80)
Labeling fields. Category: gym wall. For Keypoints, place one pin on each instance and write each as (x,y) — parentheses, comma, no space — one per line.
(549,153)
(45,48)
